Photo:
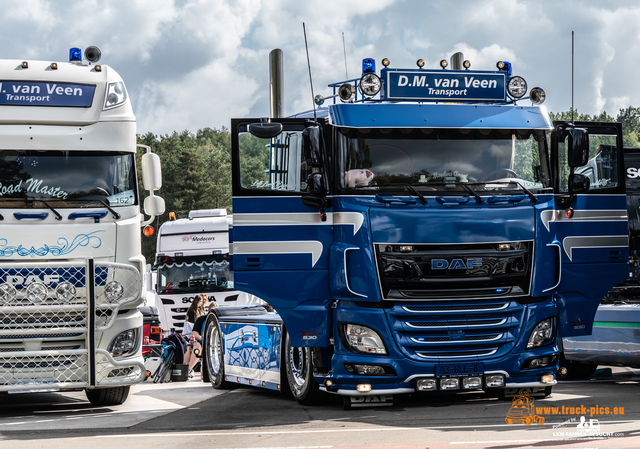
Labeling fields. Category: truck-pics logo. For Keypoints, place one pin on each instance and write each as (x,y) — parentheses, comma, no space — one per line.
(522,411)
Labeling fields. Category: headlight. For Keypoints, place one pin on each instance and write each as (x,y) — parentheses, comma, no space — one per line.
(537,95)
(65,291)
(7,292)
(114,291)
(517,87)
(370,84)
(125,343)
(363,339)
(36,292)
(542,334)
(116,95)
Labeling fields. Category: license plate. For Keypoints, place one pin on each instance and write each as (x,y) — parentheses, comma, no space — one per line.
(459,369)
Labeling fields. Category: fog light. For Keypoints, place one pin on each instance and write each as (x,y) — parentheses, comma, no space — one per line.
(36,292)
(328,383)
(494,380)
(406,249)
(425,384)
(364,388)
(547,379)
(65,291)
(371,370)
(114,291)
(472,382)
(450,384)
(540,362)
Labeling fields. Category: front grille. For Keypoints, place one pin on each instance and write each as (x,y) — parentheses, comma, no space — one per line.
(44,342)
(466,330)
(478,292)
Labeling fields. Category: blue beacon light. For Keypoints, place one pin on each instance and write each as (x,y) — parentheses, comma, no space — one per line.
(75,54)
(368,65)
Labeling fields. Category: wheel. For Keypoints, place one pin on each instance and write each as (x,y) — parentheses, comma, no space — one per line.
(501,170)
(213,354)
(297,363)
(101,397)
(529,420)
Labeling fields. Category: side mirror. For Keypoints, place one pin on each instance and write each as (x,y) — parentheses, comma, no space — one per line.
(578,146)
(579,183)
(154,205)
(311,146)
(151,172)
(265,130)
(315,184)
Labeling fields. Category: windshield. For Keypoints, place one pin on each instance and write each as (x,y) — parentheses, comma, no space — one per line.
(438,159)
(66,178)
(195,276)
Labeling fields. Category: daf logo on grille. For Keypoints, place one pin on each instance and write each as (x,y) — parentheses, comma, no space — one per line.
(26,280)
(455,264)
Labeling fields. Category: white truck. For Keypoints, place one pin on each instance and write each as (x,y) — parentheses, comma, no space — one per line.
(192,256)
(70,256)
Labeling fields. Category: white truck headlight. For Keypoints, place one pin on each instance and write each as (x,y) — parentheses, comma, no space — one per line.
(7,292)
(65,291)
(36,292)
(542,334)
(363,339)
(125,343)
(114,290)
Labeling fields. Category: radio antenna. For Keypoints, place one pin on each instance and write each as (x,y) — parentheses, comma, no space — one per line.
(572,53)
(344,50)
(313,101)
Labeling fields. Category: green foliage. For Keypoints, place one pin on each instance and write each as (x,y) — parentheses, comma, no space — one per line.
(196,174)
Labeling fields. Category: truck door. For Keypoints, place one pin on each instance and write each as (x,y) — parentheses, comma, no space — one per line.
(282,222)
(589,221)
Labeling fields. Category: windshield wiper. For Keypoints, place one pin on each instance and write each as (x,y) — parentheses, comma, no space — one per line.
(110,209)
(423,200)
(55,212)
(529,193)
(464,185)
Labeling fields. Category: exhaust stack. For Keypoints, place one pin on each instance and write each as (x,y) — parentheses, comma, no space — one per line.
(276,83)
(457,60)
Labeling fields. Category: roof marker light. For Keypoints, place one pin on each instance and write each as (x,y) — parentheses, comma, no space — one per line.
(466,64)
(54,66)
(25,65)
(386,62)
(420,63)
(75,54)
(444,63)
(98,68)
(368,65)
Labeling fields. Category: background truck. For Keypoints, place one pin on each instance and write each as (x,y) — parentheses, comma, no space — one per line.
(70,256)
(192,256)
(428,231)
(615,339)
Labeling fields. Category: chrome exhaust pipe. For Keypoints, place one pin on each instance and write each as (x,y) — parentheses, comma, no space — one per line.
(276,83)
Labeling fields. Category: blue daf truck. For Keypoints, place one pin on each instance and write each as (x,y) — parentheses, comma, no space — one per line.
(420,231)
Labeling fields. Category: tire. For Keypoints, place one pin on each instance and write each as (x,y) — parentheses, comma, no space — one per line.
(101,397)
(299,370)
(213,354)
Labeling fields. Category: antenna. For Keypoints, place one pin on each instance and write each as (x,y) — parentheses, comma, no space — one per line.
(344,50)
(572,52)
(313,101)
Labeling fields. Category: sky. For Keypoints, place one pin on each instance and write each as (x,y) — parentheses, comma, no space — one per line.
(192,64)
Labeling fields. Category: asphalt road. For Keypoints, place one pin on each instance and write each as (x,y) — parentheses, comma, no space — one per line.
(192,414)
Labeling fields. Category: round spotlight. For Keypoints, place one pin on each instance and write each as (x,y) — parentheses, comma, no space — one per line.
(466,64)
(370,84)
(7,293)
(420,63)
(444,63)
(318,99)
(92,54)
(386,62)
(346,91)
(500,65)
(517,87)
(537,95)
(36,292)
(65,291)
(114,291)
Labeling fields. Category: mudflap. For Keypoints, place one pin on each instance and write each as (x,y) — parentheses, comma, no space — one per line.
(382,400)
